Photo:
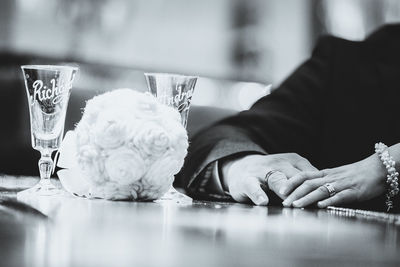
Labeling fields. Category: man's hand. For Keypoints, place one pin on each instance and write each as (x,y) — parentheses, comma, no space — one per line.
(243,176)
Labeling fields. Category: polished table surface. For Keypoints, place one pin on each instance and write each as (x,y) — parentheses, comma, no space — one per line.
(69,231)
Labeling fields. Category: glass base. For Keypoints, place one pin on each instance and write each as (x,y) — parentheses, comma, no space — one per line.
(174,196)
(43,188)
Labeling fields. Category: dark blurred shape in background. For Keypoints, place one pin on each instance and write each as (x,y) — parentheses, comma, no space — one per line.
(253,40)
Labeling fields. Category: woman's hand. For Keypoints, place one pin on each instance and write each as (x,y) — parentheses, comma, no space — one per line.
(359,181)
(243,176)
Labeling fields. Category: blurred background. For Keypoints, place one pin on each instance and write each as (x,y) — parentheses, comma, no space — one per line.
(237,47)
(240,49)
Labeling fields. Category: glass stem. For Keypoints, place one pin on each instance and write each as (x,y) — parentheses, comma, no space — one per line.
(45,167)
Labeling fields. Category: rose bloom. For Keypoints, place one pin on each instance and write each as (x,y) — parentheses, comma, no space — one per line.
(168,166)
(124,166)
(108,132)
(89,159)
(151,140)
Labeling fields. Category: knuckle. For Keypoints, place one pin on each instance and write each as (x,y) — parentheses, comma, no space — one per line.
(301,176)
(299,159)
(291,183)
(326,172)
(292,155)
(308,183)
(304,160)
(275,160)
(322,189)
(277,177)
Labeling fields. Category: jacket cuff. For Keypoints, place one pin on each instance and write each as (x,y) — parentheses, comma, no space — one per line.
(224,149)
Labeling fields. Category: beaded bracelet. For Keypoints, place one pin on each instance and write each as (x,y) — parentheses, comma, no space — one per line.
(368,214)
(392,177)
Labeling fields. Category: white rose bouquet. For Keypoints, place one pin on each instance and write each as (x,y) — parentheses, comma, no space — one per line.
(126,146)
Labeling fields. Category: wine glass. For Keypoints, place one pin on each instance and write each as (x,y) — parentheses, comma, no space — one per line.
(176,91)
(48,88)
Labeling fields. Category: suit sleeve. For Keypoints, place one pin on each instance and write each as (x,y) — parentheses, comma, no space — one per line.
(287,120)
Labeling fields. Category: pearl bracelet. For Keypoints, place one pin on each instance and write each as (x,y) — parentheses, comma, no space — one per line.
(392,177)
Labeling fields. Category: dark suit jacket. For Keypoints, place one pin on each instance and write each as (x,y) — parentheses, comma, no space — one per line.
(331,110)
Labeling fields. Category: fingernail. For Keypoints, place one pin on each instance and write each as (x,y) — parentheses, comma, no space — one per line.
(285,203)
(283,191)
(296,204)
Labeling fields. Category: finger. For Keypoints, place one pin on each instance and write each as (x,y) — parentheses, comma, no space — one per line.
(254,191)
(288,170)
(318,194)
(305,165)
(342,197)
(276,181)
(282,165)
(299,179)
(305,188)
(238,195)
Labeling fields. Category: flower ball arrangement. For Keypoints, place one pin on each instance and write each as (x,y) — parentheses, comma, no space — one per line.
(126,146)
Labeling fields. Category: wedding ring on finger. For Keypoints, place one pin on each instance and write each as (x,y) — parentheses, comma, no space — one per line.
(269,174)
(330,188)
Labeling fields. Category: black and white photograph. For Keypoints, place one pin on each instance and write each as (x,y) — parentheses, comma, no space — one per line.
(199,133)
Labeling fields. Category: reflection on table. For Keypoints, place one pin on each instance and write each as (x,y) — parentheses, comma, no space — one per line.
(79,232)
